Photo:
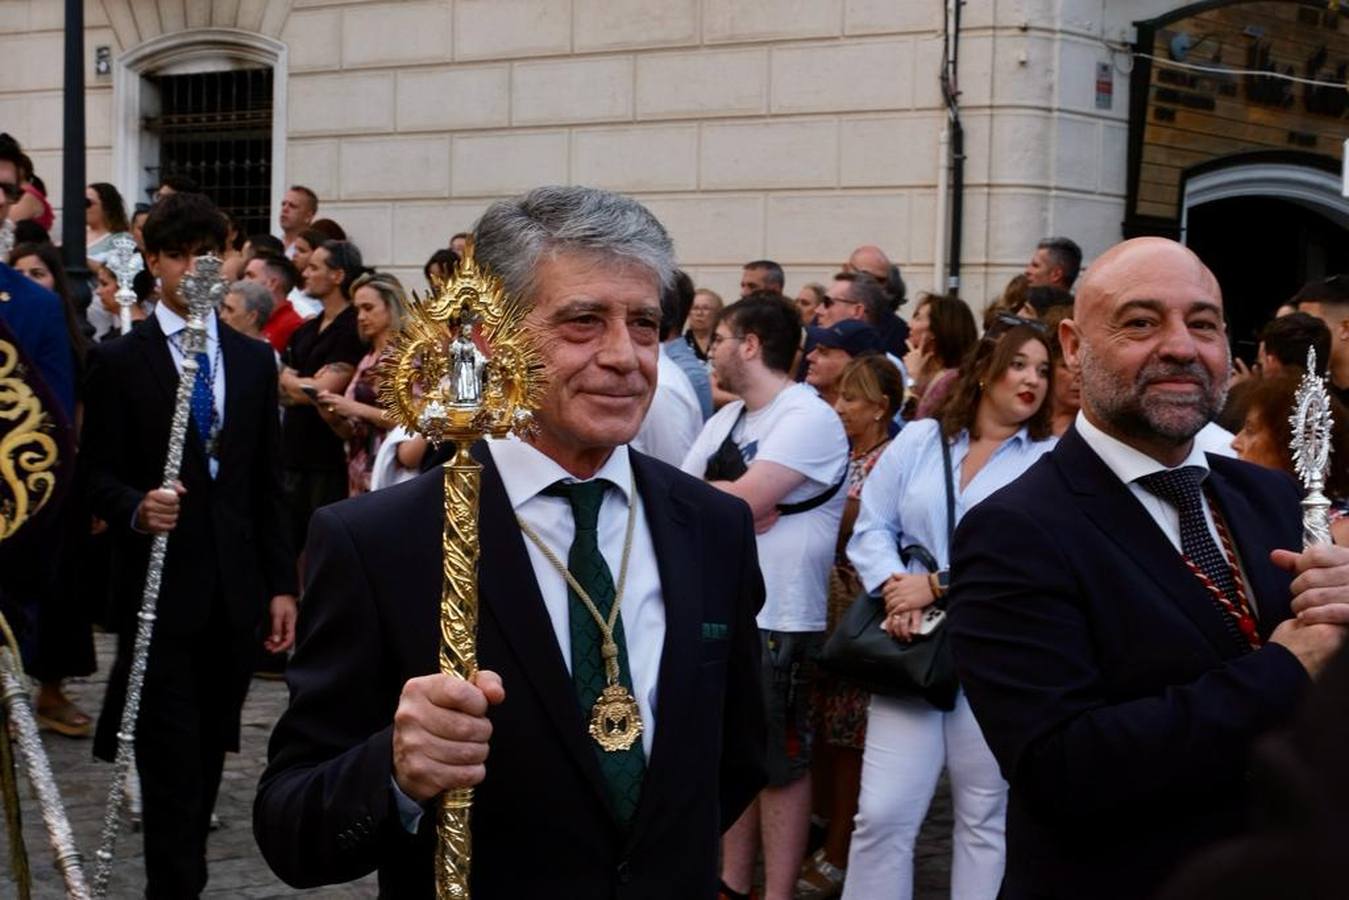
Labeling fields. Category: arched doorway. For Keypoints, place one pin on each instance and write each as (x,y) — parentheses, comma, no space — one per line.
(1265,226)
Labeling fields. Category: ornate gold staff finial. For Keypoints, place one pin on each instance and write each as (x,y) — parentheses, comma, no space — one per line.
(464,366)
(1311,423)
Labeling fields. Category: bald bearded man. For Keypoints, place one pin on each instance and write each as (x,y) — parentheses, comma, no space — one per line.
(1122,614)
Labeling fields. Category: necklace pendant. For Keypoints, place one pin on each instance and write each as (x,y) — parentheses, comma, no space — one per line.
(615,720)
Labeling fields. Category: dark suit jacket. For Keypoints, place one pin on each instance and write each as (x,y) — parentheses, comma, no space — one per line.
(1121,712)
(229,542)
(325,811)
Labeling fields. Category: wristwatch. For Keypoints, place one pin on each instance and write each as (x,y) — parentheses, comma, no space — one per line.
(940,582)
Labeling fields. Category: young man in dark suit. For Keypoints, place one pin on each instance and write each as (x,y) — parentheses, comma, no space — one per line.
(371,739)
(229,568)
(1122,614)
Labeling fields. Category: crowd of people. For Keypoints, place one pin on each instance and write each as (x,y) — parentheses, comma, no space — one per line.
(874,450)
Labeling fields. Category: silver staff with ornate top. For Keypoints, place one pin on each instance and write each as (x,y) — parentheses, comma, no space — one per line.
(1311,424)
(19,713)
(437,381)
(124,261)
(200,289)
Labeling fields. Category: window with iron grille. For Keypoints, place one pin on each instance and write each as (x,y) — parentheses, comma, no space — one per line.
(216,128)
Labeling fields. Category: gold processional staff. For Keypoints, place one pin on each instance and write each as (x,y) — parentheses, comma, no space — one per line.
(463,367)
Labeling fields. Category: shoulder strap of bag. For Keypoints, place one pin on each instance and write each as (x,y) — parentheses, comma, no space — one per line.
(950,491)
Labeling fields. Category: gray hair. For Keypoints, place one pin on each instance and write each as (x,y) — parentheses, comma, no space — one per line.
(390,290)
(514,236)
(257,299)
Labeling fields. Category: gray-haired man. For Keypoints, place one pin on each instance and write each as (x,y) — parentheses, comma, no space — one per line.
(246,308)
(371,739)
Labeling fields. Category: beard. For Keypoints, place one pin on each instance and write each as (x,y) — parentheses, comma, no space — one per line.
(1130,409)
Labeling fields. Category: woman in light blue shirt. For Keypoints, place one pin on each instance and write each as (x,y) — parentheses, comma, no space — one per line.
(997,423)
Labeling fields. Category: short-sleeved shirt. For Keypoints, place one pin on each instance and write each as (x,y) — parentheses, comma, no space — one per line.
(307,443)
(797,430)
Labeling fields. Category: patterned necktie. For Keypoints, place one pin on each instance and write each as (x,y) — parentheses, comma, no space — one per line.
(1182,489)
(623,770)
(203,400)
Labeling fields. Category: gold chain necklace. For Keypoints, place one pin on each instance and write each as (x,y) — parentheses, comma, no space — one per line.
(615,719)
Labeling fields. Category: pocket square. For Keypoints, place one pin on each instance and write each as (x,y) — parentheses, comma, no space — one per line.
(715,631)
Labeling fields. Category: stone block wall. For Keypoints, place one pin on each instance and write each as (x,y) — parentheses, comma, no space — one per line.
(789,129)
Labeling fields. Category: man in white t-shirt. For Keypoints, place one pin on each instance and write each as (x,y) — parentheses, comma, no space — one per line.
(783,451)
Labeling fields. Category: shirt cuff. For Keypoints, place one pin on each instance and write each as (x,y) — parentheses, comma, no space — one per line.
(410,812)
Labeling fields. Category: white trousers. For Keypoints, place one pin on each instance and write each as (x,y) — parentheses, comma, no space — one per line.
(908,743)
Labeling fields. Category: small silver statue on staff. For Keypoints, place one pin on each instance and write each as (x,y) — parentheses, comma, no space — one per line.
(201,290)
(125,263)
(1311,423)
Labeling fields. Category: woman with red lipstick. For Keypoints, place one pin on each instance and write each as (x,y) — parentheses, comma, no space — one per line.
(994,424)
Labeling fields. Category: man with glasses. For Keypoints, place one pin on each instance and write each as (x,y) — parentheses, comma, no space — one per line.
(782,450)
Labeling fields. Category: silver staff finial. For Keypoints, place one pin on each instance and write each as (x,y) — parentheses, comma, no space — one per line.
(125,263)
(1311,423)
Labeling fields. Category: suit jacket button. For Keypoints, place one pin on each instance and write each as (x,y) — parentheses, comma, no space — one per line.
(624,872)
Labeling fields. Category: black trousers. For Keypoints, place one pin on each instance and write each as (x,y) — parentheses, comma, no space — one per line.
(189,716)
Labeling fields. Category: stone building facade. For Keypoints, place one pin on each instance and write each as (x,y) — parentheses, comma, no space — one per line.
(787,129)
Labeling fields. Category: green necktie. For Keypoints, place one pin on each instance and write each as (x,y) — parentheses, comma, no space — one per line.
(623,769)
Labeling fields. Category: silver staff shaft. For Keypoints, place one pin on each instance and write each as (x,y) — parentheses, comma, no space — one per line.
(125,297)
(14,695)
(200,289)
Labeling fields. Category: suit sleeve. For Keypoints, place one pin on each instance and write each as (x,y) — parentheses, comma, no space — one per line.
(1027,660)
(104,445)
(743,768)
(324,811)
(278,557)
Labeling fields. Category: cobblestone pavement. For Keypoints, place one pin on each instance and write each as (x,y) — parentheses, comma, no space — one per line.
(236,867)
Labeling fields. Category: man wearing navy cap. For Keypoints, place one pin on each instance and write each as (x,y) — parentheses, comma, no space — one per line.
(832,349)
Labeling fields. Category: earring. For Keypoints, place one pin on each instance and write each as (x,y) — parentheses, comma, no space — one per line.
(876,418)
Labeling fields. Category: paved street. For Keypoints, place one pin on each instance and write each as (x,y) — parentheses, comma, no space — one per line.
(237,870)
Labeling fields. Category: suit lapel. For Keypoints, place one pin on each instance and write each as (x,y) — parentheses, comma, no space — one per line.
(1114,509)
(1268,584)
(679,559)
(156,349)
(510,597)
(165,374)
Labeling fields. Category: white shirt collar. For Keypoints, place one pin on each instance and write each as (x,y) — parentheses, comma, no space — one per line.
(526,471)
(171,323)
(1128,463)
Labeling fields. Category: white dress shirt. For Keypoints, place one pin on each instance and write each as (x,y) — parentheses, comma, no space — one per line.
(171,324)
(674,418)
(1130,464)
(525,472)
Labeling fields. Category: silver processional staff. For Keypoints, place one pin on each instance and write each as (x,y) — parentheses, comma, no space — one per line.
(200,289)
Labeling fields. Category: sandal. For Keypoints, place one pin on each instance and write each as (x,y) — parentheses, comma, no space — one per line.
(65,718)
(820,879)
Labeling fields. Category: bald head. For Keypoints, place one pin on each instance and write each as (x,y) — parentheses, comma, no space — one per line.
(1131,266)
(871,260)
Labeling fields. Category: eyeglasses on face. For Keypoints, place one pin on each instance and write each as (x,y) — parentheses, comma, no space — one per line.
(828,302)
(717,338)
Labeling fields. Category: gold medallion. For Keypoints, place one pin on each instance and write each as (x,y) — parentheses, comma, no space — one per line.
(615,721)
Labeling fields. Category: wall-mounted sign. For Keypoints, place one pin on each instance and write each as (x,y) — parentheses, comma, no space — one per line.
(1105,85)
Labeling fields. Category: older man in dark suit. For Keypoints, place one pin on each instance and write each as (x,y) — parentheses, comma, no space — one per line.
(371,740)
(1122,615)
(228,566)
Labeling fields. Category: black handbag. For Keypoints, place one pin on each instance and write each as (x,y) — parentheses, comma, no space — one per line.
(859,651)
